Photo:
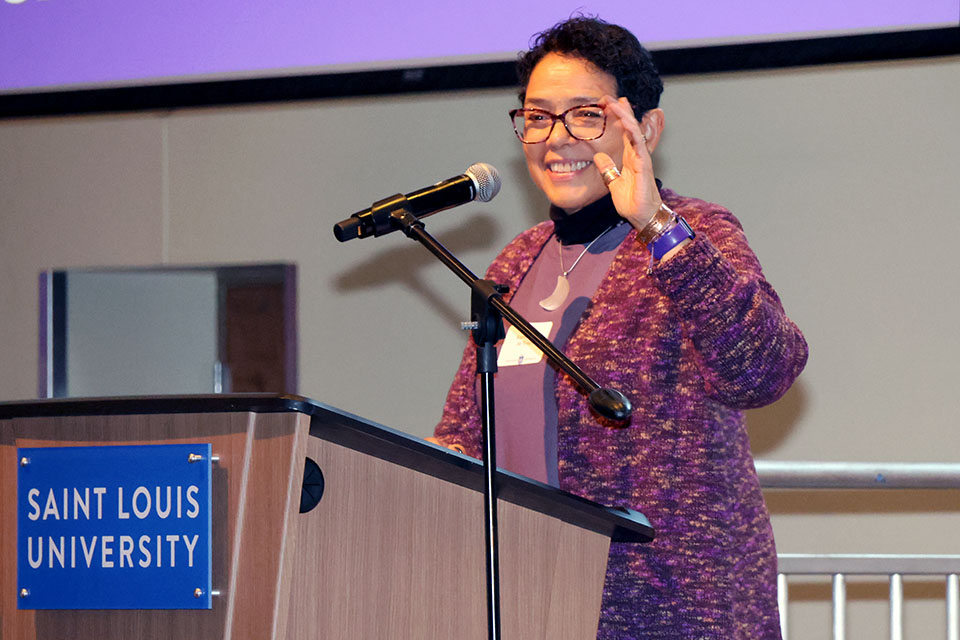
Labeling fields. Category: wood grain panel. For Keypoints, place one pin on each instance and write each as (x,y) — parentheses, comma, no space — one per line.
(391,553)
(551,575)
(382,555)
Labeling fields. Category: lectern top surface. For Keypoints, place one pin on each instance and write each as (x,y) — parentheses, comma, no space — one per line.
(340,427)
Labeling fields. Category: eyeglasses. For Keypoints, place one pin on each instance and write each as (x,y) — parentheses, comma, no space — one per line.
(583,122)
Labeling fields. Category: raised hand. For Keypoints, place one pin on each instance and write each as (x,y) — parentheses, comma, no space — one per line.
(634,192)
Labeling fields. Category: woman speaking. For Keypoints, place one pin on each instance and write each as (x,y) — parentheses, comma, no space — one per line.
(659,296)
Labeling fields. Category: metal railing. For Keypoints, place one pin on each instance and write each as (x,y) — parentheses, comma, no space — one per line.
(865,475)
(858,475)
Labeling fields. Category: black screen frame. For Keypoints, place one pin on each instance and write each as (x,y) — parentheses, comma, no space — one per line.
(921,43)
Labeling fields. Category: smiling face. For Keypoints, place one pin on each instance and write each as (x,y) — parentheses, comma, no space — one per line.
(562,166)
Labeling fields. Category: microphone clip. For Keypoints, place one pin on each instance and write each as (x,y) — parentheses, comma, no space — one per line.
(378,220)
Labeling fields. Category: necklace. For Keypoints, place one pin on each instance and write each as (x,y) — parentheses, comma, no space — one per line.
(556,299)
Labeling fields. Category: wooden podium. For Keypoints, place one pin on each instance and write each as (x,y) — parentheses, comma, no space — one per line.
(393,550)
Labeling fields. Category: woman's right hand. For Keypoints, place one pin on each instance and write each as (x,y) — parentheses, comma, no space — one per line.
(635,193)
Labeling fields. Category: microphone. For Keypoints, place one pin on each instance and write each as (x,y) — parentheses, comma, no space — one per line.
(479,182)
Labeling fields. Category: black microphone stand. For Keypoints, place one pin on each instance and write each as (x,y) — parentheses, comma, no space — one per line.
(488,310)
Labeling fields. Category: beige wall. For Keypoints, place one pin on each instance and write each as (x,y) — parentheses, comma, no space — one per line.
(844,177)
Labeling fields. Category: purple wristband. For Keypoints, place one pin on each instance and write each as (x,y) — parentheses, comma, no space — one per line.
(680,232)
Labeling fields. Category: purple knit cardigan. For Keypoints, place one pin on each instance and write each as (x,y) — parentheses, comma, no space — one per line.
(691,343)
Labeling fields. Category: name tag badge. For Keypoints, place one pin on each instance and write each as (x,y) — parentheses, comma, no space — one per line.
(517,350)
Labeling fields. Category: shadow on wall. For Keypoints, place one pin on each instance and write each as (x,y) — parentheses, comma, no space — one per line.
(535,204)
(769,426)
(481,231)
(406,261)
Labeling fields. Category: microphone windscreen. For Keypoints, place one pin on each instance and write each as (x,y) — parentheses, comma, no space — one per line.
(486,179)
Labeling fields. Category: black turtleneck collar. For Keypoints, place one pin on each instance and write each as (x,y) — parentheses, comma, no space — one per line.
(586,224)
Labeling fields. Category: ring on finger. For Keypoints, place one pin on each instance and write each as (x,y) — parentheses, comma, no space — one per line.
(609,175)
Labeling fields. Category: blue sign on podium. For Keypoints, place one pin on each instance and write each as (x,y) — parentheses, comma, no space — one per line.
(114,527)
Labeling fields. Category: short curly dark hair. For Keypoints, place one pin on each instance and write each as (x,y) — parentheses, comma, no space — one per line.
(608,47)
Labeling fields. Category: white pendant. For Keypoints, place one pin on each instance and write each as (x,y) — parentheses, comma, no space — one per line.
(556,299)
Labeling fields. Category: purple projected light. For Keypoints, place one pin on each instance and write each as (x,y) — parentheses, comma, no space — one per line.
(48,44)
